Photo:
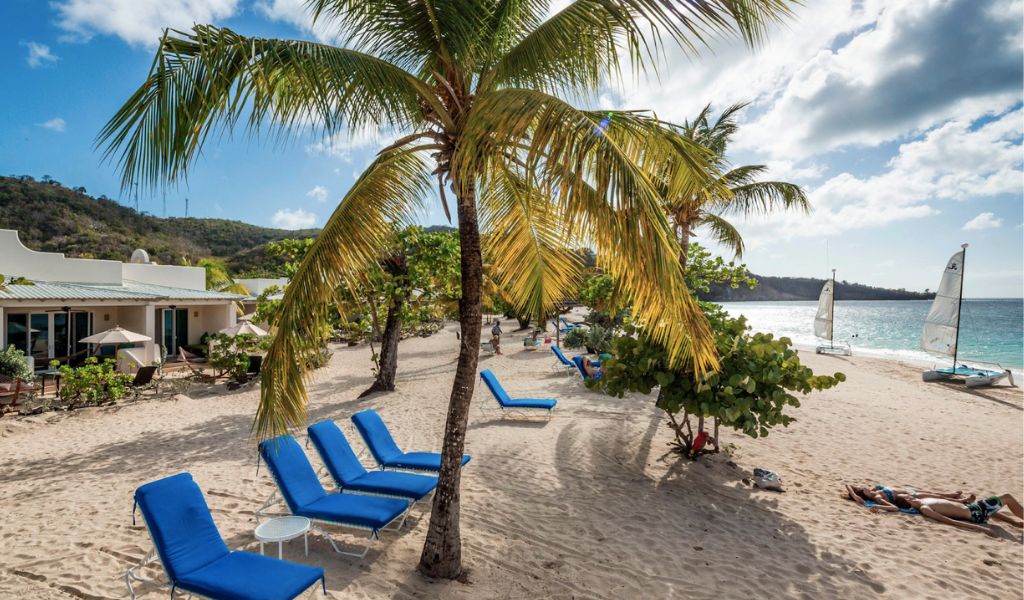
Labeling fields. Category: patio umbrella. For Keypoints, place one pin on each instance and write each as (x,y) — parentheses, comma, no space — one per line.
(243,327)
(117,335)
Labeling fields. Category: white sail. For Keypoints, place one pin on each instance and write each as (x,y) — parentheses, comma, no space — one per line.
(823,318)
(939,334)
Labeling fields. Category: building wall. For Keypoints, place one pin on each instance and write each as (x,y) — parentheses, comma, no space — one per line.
(189,278)
(18,261)
(257,285)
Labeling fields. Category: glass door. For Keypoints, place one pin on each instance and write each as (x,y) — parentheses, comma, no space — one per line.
(60,335)
(174,330)
(39,337)
(81,326)
(17,331)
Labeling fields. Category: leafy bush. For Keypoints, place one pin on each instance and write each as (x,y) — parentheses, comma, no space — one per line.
(599,339)
(576,338)
(749,393)
(13,364)
(230,355)
(93,383)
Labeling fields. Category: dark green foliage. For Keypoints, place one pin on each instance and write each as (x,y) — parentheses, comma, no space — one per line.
(750,393)
(53,218)
(93,383)
(230,355)
(13,364)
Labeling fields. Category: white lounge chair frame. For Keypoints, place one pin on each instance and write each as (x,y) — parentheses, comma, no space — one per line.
(523,411)
(276,498)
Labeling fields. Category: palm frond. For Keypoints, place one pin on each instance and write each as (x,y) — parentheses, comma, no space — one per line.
(761,197)
(422,36)
(208,79)
(528,244)
(601,171)
(724,233)
(588,39)
(385,195)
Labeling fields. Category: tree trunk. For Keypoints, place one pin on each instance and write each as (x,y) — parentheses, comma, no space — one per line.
(442,550)
(387,363)
(684,245)
(524,322)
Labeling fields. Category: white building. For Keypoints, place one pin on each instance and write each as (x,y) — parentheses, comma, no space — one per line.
(71,298)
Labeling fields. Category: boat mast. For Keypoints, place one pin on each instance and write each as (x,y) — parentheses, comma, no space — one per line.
(959,305)
(832,321)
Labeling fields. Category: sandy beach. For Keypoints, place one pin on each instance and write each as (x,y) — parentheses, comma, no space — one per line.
(586,505)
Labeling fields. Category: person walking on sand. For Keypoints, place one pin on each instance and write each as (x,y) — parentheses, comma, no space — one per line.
(496,336)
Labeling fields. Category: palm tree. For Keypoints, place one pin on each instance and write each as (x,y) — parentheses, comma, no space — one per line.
(476,89)
(734,190)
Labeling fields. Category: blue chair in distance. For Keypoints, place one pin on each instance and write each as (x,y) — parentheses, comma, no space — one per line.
(564,364)
(387,453)
(514,404)
(197,560)
(305,497)
(351,476)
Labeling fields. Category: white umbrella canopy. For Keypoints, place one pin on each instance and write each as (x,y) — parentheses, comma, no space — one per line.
(117,335)
(244,327)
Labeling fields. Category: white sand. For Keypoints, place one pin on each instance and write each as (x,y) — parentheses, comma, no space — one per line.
(587,505)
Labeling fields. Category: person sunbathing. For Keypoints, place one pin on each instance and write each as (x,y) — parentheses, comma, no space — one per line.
(593,371)
(892,499)
(971,515)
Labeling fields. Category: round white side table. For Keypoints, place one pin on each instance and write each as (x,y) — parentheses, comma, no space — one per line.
(283,529)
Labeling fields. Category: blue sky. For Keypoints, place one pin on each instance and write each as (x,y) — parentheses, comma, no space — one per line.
(901,118)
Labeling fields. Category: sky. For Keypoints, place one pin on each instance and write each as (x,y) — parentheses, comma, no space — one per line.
(902,119)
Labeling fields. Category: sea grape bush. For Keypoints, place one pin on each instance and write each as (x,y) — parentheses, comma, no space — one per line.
(93,383)
(755,384)
(13,365)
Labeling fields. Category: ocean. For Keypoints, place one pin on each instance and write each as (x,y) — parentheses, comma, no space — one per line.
(990,330)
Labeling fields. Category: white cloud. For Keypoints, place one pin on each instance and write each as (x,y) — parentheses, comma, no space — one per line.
(56,124)
(985,220)
(341,145)
(134,21)
(293,219)
(39,55)
(957,161)
(318,193)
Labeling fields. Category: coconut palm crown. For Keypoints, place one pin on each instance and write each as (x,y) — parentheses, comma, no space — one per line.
(483,94)
(731,190)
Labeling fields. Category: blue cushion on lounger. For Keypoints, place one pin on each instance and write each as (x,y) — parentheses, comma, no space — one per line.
(561,357)
(505,401)
(305,497)
(349,474)
(197,559)
(386,452)
(248,576)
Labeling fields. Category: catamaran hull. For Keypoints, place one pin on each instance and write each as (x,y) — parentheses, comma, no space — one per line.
(843,350)
(973,378)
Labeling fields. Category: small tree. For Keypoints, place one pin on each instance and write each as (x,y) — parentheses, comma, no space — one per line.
(749,393)
(13,364)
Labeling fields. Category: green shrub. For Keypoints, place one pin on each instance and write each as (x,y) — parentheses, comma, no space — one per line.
(13,364)
(230,355)
(93,383)
(749,393)
(576,338)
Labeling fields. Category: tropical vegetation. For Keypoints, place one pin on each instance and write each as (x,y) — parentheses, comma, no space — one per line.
(732,190)
(95,382)
(477,90)
(14,365)
(750,391)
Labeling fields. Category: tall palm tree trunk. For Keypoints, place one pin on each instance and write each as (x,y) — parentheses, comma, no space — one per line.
(387,364)
(442,550)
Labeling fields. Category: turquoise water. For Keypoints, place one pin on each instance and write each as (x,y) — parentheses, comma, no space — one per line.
(990,331)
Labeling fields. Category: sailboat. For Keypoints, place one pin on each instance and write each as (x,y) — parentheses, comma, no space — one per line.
(941,333)
(824,319)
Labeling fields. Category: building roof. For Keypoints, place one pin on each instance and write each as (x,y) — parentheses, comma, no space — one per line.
(130,290)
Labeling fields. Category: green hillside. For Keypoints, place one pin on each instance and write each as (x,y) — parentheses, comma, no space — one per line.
(54,218)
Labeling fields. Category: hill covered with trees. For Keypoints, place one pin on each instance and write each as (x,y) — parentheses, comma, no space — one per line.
(806,288)
(53,218)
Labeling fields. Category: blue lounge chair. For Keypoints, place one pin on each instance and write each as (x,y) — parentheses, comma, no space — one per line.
(387,453)
(197,560)
(509,404)
(566,325)
(351,476)
(305,497)
(563,364)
